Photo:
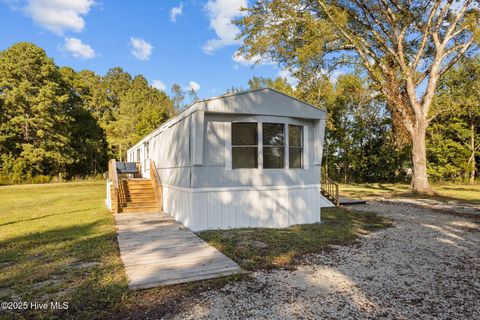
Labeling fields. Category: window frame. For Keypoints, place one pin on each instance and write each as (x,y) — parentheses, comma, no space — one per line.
(260,155)
(301,147)
(283,146)
(256,146)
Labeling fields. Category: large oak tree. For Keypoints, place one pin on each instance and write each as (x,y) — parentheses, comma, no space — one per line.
(405,46)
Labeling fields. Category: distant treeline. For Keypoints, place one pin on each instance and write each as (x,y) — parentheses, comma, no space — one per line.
(55,121)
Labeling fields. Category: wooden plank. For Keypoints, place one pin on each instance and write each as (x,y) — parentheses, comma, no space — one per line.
(175,262)
(184,279)
(156,250)
(165,241)
(165,246)
(156,274)
(150,235)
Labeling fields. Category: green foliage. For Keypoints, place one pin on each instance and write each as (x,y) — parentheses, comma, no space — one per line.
(58,121)
(359,143)
(278,83)
(454,135)
(404,47)
(35,116)
(139,109)
(87,138)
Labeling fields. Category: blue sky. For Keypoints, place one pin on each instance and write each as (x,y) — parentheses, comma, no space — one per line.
(191,43)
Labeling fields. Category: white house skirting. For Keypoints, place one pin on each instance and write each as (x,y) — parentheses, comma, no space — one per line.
(224,208)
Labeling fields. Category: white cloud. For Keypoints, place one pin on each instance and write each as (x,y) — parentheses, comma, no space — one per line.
(175,12)
(141,48)
(159,85)
(79,49)
(221,13)
(245,61)
(59,15)
(192,85)
(242,60)
(286,74)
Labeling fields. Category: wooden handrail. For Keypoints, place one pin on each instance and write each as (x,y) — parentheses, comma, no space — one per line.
(156,184)
(115,195)
(330,188)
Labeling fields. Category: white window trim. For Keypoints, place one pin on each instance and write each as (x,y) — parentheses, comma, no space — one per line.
(284,145)
(228,146)
(287,146)
(306,164)
(260,145)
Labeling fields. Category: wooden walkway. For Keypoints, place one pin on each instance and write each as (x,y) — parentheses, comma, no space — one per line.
(157,250)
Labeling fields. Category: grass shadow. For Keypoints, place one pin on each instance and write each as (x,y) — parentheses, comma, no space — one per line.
(45,216)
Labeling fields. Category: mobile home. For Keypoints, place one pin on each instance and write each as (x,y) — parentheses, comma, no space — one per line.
(248,159)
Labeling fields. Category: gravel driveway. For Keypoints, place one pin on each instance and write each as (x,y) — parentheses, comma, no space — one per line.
(425,267)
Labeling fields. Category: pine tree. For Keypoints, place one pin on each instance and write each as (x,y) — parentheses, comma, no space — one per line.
(87,137)
(35,118)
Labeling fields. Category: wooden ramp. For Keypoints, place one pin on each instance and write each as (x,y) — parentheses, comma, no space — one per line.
(157,250)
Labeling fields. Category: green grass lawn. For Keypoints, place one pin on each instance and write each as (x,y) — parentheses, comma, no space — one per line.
(58,243)
(448,192)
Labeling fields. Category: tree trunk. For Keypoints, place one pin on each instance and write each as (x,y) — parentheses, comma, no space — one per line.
(420,183)
(472,146)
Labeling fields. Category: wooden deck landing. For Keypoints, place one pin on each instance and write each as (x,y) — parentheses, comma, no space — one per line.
(157,250)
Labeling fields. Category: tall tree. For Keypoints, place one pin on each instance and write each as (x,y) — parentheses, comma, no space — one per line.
(87,137)
(178,96)
(35,116)
(455,133)
(193,95)
(141,108)
(404,46)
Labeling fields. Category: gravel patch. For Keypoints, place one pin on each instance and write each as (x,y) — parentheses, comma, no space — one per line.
(452,206)
(427,266)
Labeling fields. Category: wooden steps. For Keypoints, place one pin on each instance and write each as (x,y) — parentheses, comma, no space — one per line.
(137,196)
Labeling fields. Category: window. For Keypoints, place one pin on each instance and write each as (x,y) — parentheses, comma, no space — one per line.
(273,145)
(295,146)
(138,155)
(244,145)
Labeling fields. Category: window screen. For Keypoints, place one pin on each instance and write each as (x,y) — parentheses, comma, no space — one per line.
(244,145)
(295,146)
(273,145)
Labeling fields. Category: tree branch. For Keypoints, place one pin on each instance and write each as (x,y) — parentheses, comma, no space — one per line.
(460,14)
(442,15)
(452,49)
(454,60)
(362,51)
(426,33)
